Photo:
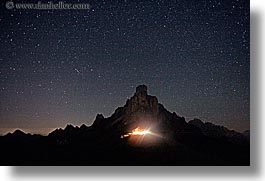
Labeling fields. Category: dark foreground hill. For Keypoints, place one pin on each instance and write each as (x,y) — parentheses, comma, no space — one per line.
(142,132)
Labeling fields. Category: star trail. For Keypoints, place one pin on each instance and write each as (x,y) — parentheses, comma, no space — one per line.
(65,66)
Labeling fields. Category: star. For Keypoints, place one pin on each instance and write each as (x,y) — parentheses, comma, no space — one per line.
(77,71)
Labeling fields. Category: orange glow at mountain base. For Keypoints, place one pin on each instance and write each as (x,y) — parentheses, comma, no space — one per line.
(138,132)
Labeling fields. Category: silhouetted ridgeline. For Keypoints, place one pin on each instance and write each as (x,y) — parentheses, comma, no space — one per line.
(172,141)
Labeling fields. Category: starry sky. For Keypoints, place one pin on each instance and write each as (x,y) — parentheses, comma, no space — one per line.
(65,66)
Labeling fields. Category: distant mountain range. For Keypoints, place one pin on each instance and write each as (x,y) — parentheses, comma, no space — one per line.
(221,132)
(142,132)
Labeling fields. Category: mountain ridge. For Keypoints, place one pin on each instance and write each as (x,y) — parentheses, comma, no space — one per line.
(170,140)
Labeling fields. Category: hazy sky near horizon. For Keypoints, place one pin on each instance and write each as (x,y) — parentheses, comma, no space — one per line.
(65,66)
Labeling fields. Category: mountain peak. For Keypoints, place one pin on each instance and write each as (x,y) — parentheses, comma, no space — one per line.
(141,102)
(18,132)
(69,127)
(141,110)
(141,90)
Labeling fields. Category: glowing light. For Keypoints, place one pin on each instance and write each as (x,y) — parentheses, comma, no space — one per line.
(137,131)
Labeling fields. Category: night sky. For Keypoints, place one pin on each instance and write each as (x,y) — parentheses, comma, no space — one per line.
(65,66)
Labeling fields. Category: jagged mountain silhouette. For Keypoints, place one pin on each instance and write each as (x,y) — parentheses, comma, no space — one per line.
(173,140)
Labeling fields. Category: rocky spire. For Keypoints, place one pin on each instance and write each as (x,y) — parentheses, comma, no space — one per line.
(141,91)
(141,101)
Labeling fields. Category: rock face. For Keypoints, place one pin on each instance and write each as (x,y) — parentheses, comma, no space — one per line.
(141,107)
(141,102)
(143,110)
